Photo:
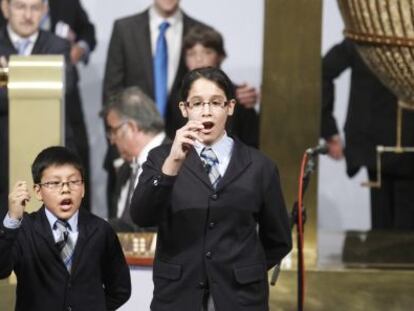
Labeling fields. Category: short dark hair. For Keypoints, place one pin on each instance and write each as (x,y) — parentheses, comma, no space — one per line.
(133,103)
(55,156)
(207,37)
(215,75)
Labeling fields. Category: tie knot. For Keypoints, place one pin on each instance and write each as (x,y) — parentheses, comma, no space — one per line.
(61,225)
(209,157)
(164,26)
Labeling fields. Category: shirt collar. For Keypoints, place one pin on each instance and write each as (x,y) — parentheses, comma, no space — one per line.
(156,19)
(154,142)
(73,221)
(15,38)
(222,148)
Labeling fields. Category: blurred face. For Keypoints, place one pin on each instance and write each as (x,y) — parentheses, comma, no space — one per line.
(61,189)
(200,56)
(166,7)
(208,103)
(121,133)
(24,16)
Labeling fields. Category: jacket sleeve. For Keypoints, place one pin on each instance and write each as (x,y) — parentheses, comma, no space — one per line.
(84,29)
(336,61)
(117,279)
(8,250)
(114,69)
(274,229)
(152,194)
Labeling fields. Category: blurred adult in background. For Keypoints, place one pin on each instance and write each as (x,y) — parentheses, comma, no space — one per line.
(370,121)
(145,50)
(68,20)
(204,47)
(21,35)
(134,126)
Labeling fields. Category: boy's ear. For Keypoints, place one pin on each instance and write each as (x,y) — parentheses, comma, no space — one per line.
(230,107)
(183,109)
(37,192)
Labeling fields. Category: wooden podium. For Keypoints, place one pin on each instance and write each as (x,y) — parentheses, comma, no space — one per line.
(36,87)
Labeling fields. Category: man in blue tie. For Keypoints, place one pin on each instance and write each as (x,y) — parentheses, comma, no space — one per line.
(145,50)
(22,36)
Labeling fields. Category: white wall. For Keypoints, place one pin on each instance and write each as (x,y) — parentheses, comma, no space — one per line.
(240,22)
(343,204)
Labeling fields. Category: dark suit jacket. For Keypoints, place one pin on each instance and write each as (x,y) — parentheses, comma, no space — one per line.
(227,238)
(129,62)
(100,277)
(46,43)
(371,115)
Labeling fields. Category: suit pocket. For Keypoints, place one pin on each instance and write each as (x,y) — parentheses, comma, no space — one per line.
(166,280)
(251,284)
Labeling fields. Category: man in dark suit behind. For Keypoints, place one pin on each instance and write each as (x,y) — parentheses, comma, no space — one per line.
(23,26)
(135,127)
(370,121)
(68,20)
(130,61)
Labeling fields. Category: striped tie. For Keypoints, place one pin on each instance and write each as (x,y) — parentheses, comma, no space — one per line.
(210,163)
(64,243)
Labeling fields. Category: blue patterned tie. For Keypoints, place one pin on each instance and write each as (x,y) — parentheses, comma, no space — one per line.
(161,70)
(210,163)
(64,243)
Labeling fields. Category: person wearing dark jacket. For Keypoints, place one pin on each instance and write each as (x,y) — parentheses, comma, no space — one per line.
(219,208)
(64,257)
(370,121)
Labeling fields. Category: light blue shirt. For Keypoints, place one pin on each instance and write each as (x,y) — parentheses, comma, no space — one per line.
(11,223)
(223,149)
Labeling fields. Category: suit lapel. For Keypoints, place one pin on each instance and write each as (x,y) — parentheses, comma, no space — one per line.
(86,229)
(240,160)
(42,227)
(195,166)
(39,44)
(6,43)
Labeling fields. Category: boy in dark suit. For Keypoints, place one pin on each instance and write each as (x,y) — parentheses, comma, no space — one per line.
(64,257)
(218,204)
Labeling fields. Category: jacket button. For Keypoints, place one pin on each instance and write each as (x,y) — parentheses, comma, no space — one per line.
(2,232)
(214,196)
(208,255)
(201,285)
(211,225)
(156,181)
(69,308)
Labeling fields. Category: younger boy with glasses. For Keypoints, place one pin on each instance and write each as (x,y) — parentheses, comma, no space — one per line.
(64,257)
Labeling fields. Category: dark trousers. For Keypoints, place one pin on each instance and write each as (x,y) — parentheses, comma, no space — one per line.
(392,205)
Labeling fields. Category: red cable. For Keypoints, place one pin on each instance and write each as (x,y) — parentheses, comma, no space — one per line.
(301,263)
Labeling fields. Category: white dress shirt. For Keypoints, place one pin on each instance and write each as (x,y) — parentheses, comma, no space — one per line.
(174,37)
(15,38)
(139,161)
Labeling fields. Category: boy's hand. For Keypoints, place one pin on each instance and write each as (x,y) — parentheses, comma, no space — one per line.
(185,138)
(18,199)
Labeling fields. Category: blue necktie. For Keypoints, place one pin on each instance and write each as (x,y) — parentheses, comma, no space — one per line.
(161,70)
(22,45)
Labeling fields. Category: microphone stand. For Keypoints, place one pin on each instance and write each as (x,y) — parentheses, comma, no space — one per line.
(298,217)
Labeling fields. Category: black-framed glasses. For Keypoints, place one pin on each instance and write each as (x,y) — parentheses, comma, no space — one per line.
(112,131)
(58,185)
(197,104)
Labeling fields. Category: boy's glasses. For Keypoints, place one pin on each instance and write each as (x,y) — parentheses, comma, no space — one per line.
(198,105)
(58,185)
